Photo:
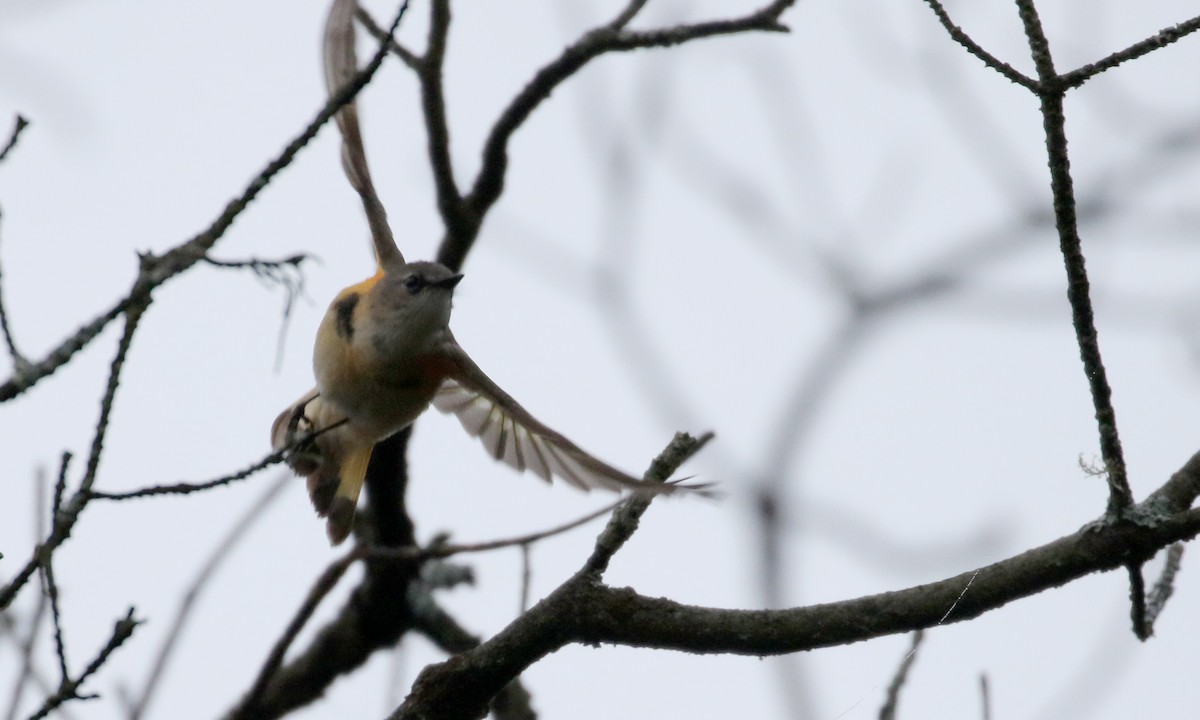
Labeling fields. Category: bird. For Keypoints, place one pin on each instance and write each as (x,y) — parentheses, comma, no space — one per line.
(384,353)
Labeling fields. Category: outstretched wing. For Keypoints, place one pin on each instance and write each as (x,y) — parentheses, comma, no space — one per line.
(511,434)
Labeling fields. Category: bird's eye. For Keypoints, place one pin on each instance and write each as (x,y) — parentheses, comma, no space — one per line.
(414,283)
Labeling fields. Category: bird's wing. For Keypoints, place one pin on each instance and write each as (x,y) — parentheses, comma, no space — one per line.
(341,66)
(511,434)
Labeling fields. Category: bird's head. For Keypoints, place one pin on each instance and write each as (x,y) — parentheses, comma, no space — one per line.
(413,300)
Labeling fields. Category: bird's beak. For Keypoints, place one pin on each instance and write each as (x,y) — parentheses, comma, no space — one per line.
(449,282)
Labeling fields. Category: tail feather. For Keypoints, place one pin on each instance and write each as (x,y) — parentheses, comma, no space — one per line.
(322,488)
(333,464)
(339,510)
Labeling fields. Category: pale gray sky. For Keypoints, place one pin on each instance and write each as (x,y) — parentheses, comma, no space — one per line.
(864,139)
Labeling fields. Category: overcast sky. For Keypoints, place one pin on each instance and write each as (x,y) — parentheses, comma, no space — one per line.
(672,252)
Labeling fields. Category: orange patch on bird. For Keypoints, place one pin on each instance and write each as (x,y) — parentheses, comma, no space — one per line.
(362,287)
(433,368)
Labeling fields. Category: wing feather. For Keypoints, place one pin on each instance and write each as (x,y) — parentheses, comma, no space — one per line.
(537,457)
(510,434)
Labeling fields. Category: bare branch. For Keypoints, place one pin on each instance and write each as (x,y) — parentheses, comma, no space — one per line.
(50,588)
(459,225)
(1164,37)
(526,579)
(184,488)
(489,183)
(1164,587)
(276,271)
(445,550)
(156,270)
(64,520)
(582,610)
(624,522)
(1039,47)
(1052,92)
(20,362)
(627,14)
(888,711)
(26,647)
(374,616)
(19,125)
(223,550)
(31,372)
(977,50)
(1137,601)
(286,273)
(69,690)
(620,528)
(1178,493)
(321,588)
(513,701)
(407,56)
(60,485)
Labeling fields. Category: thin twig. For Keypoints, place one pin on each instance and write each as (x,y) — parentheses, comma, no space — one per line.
(489,182)
(445,550)
(321,588)
(810,393)
(287,273)
(64,519)
(1137,601)
(407,56)
(459,226)
(50,588)
(985,696)
(26,647)
(372,618)
(526,578)
(60,484)
(18,126)
(1178,493)
(29,374)
(1163,588)
(550,628)
(20,362)
(185,488)
(157,270)
(70,688)
(224,549)
(624,521)
(888,711)
(977,50)
(273,667)
(133,316)
(1164,37)
(627,14)
(1052,91)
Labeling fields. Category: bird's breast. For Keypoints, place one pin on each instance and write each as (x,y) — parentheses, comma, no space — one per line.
(379,393)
